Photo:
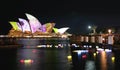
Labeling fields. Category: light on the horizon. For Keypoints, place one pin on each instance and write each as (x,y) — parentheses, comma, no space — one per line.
(109,31)
(89,27)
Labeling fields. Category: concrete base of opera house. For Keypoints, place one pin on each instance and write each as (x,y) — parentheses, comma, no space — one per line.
(32,41)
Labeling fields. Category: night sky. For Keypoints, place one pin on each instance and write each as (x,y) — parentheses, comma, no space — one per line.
(75,14)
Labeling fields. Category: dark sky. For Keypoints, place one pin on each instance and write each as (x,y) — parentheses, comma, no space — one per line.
(75,14)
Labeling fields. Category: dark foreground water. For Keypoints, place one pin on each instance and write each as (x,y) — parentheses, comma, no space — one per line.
(57,59)
(34,59)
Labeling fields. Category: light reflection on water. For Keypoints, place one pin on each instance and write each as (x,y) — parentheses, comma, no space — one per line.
(43,59)
(95,60)
(103,60)
(58,59)
(106,60)
(90,65)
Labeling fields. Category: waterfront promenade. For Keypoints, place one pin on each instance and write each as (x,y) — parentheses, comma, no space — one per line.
(105,39)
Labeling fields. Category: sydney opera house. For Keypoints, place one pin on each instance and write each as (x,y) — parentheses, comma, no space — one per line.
(31,32)
(33,28)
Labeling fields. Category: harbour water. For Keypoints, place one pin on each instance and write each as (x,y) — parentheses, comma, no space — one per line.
(34,59)
(58,58)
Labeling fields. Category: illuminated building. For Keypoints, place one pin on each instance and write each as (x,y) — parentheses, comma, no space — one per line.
(61,30)
(33,27)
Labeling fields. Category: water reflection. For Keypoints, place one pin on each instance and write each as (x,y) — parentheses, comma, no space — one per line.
(42,59)
(90,65)
(59,59)
(26,59)
(8,59)
(101,59)
(117,60)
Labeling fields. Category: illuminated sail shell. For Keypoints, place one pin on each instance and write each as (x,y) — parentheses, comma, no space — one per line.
(19,26)
(61,30)
(49,27)
(55,30)
(43,28)
(15,25)
(34,23)
(24,24)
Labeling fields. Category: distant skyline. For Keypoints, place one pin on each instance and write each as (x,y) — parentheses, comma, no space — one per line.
(73,14)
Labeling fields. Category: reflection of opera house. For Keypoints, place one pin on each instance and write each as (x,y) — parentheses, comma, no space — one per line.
(32,32)
(34,28)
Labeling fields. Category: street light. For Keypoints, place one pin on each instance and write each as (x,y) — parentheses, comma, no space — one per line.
(93,28)
(89,27)
(109,31)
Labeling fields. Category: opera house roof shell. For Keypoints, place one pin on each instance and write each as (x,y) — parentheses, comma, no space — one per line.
(33,27)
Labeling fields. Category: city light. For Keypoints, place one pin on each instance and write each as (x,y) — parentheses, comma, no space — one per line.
(93,28)
(89,27)
(109,31)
